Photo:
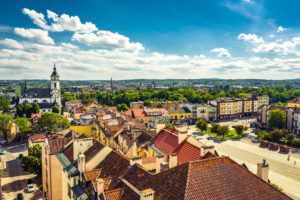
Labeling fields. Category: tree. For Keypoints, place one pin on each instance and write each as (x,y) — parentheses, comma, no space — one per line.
(5,122)
(26,110)
(277,119)
(4,104)
(223,130)
(214,128)
(55,109)
(35,108)
(202,125)
(290,137)
(276,135)
(52,121)
(23,125)
(32,163)
(147,103)
(122,107)
(239,129)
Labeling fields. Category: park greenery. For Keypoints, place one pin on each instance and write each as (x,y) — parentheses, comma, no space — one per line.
(27,109)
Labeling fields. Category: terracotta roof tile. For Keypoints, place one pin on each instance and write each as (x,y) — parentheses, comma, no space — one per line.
(113,194)
(37,138)
(166,141)
(92,175)
(187,152)
(57,144)
(93,150)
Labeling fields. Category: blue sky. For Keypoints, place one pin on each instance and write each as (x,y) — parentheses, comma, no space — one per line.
(96,39)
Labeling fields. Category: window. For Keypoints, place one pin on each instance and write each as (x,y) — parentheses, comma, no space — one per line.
(55,85)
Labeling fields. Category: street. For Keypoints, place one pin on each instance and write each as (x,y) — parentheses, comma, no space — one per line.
(14,179)
(282,172)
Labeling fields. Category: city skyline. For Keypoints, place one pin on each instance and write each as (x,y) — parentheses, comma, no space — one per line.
(193,40)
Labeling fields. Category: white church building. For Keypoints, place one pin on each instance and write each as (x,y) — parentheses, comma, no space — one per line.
(45,97)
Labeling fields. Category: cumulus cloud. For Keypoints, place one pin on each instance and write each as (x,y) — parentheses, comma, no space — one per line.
(250,38)
(281,29)
(65,22)
(10,43)
(37,18)
(222,52)
(279,46)
(107,39)
(37,35)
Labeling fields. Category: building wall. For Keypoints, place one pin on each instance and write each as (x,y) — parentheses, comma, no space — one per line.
(263,100)
(55,178)
(294,105)
(36,100)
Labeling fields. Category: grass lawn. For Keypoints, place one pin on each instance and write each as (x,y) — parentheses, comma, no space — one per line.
(231,134)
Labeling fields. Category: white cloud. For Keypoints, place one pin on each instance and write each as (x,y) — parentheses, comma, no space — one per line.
(250,38)
(247,1)
(281,29)
(106,39)
(37,18)
(222,52)
(37,35)
(275,47)
(65,22)
(10,43)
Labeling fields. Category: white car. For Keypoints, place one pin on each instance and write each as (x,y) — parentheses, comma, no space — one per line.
(30,186)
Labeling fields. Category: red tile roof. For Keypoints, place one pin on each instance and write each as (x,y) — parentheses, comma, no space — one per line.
(92,175)
(215,178)
(138,113)
(166,141)
(113,194)
(187,152)
(57,144)
(295,100)
(37,138)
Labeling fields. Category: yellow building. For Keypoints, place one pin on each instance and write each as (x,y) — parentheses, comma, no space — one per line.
(294,102)
(178,114)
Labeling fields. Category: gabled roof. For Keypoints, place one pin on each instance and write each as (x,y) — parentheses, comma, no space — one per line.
(93,150)
(113,194)
(37,138)
(137,113)
(113,166)
(38,93)
(92,175)
(56,144)
(295,100)
(215,178)
(166,140)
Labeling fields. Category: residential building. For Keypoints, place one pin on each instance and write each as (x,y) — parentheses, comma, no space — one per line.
(263,115)
(294,102)
(102,173)
(137,105)
(37,139)
(296,120)
(180,114)
(233,108)
(263,100)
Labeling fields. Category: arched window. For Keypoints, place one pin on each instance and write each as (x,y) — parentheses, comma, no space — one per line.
(35,101)
(25,101)
(45,101)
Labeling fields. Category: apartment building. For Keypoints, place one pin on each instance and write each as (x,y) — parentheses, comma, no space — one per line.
(233,108)
(294,102)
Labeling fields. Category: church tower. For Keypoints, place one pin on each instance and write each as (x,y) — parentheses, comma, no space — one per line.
(55,87)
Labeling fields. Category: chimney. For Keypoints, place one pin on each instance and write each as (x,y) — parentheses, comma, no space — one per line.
(158,162)
(172,160)
(136,160)
(81,163)
(263,170)
(99,186)
(182,136)
(147,194)
(134,149)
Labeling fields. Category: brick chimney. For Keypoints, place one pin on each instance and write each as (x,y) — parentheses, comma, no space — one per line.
(182,135)
(263,170)
(158,162)
(81,163)
(99,186)
(147,194)
(136,160)
(172,160)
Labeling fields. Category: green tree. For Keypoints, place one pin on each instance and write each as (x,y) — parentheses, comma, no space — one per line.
(277,119)
(23,125)
(214,128)
(4,104)
(32,163)
(276,135)
(35,108)
(290,137)
(223,130)
(52,121)
(239,129)
(5,122)
(122,107)
(202,125)
(296,142)
(147,103)
(55,109)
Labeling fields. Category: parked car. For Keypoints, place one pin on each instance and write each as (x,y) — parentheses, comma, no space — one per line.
(254,140)
(20,196)
(30,186)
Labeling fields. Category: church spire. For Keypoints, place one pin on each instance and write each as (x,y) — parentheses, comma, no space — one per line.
(54,73)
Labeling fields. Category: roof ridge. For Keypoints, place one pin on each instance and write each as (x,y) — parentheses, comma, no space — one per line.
(187,181)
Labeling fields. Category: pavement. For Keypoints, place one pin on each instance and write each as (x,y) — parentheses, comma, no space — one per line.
(14,179)
(282,172)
